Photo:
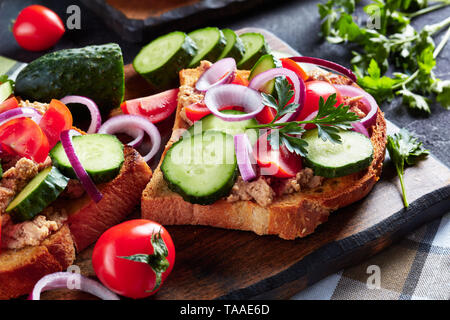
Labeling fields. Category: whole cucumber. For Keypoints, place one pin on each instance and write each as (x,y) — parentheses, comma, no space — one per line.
(95,72)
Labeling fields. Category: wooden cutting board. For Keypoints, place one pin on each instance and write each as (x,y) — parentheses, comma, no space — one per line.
(214,263)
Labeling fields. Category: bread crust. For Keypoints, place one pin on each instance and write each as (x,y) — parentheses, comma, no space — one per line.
(289,216)
(21,269)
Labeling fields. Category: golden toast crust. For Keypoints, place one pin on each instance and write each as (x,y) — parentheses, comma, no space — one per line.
(289,216)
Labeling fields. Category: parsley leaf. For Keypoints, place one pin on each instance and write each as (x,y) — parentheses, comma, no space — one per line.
(403,149)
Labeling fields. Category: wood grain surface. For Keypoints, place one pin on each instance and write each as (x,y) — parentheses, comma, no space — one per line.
(220,264)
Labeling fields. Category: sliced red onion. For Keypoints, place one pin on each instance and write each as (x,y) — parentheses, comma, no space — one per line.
(299,88)
(359,127)
(233,95)
(20,113)
(243,153)
(67,280)
(96,118)
(125,121)
(83,176)
(327,64)
(367,99)
(221,72)
(137,134)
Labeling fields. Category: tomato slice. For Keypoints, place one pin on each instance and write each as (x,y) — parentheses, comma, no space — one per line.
(56,119)
(9,104)
(266,115)
(294,66)
(25,138)
(156,107)
(240,80)
(197,111)
(280,163)
(314,90)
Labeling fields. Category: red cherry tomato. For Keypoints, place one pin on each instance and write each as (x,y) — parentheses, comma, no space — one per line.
(22,136)
(37,28)
(314,90)
(280,163)
(56,119)
(128,277)
(266,115)
(196,111)
(9,104)
(156,107)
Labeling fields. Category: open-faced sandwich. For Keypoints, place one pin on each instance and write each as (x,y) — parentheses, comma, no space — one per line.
(273,150)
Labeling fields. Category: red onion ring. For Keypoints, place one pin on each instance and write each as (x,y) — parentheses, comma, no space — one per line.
(62,280)
(244,151)
(233,95)
(19,113)
(221,72)
(327,64)
(96,118)
(367,99)
(299,88)
(125,121)
(359,127)
(83,176)
(137,134)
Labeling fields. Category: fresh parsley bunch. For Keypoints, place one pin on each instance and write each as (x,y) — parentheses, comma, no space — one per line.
(329,120)
(393,41)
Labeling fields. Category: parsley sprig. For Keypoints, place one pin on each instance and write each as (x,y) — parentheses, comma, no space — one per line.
(386,40)
(329,120)
(405,149)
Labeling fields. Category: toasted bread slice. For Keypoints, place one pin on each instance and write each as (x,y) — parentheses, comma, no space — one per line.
(87,220)
(289,216)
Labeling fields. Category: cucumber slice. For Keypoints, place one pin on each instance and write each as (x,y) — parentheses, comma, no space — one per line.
(160,61)
(234,48)
(211,122)
(331,160)
(42,190)
(255,47)
(202,169)
(100,154)
(5,91)
(266,62)
(210,42)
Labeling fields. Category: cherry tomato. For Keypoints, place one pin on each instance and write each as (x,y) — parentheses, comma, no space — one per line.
(9,104)
(294,66)
(196,111)
(240,80)
(314,90)
(280,163)
(266,115)
(156,107)
(116,258)
(22,136)
(56,119)
(37,28)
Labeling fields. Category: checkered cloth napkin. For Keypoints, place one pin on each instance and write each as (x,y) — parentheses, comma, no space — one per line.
(415,268)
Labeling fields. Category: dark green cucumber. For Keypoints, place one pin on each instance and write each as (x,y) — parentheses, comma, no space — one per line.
(202,168)
(41,191)
(255,47)
(331,160)
(160,61)
(94,71)
(210,43)
(5,91)
(234,48)
(266,62)
(100,154)
(211,122)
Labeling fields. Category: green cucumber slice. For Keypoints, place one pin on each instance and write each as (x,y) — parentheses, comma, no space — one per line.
(100,154)
(255,46)
(210,42)
(211,122)
(5,91)
(42,190)
(202,168)
(331,160)
(160,61)
(234,48)
(266,62)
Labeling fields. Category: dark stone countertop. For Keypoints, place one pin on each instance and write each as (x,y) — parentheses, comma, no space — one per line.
(296,22)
